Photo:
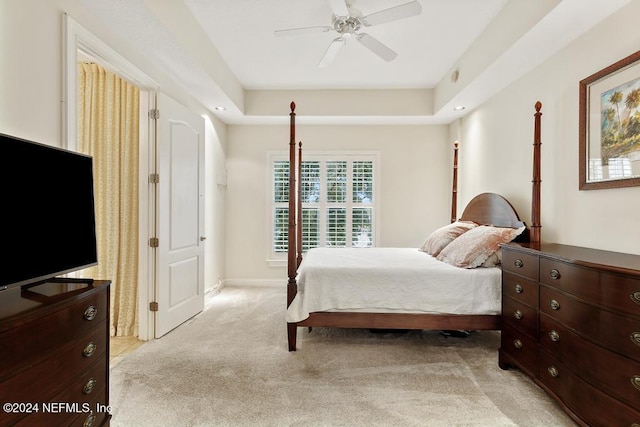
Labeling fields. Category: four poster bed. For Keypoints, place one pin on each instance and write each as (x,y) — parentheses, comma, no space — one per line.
(445,285)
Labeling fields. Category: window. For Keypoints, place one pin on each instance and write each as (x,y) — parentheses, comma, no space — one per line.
(338,195)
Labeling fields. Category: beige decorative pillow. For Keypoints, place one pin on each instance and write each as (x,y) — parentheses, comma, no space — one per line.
(440,238)
(474,247)
(494,260)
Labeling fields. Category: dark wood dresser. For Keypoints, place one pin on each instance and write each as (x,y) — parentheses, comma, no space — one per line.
(54,355)
(571,321)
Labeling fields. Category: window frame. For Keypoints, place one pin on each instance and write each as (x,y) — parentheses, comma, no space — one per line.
(279,258)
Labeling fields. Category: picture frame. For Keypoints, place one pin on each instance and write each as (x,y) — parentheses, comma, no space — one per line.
(609,126)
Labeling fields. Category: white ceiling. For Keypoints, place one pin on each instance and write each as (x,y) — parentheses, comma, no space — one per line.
(427,45)
(224,52)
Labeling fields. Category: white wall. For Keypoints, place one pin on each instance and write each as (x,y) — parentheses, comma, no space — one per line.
(415,186)
(496,149)
(32,93)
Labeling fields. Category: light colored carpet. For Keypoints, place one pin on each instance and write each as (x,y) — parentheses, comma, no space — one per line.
(229,366)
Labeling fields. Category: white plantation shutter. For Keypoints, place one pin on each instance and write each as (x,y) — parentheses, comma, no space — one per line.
(280,208)
(362,195)
(362,227)
(362,182)
(310,228)
(310,188)
(336,227)
(338,200)
(336,182)
(281,181)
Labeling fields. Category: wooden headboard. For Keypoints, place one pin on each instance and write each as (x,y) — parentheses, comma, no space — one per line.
(491,208)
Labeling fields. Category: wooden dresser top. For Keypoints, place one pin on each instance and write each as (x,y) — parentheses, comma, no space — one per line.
(44,298)
(616,262)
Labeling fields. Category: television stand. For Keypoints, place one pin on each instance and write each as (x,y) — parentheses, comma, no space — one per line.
(54,345)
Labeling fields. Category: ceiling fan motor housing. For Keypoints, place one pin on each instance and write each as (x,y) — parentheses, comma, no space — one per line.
(346,24)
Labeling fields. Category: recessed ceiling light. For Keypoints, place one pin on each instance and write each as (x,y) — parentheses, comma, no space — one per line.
(220,108)
(459,108)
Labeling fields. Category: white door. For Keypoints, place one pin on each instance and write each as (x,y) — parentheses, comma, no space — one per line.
(180,215)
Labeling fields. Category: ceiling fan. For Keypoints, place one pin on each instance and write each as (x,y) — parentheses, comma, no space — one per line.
(347,22)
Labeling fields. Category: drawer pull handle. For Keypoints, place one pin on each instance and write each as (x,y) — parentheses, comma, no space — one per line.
(89,421)
(518,314)
(517,343)
(555,337)
(635,297)
(635,380)
(519,289)
(555,305)
(518,263)
(553,371)
(555,274)
(635,337)
(90,313)
(89,350)
(89,386)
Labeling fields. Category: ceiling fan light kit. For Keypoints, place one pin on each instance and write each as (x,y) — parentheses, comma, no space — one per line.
(347,22)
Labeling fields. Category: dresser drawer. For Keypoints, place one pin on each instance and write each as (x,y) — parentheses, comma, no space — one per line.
(37,340)
(616,332)
(83,388)
(569,278)
(520,289)
(520,263)
(520,316)
(43,380)
(604,369)
(520,348)
(63,410)
(98,415)
(618,292)
(592,405)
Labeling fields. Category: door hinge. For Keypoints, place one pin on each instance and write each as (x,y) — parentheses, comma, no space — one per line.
(153,306)
(154,242)
(154,178)
(154,114)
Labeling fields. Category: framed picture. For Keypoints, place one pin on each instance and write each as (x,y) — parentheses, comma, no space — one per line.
(610,126)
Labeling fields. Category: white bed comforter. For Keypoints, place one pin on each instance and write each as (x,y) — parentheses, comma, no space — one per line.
(400,280)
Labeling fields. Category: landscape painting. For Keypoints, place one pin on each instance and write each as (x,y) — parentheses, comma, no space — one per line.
(610,126)
(620,123)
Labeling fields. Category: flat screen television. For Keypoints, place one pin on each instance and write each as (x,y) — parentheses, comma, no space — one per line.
(47,214)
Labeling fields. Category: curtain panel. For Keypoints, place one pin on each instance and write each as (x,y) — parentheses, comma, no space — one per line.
(108,130)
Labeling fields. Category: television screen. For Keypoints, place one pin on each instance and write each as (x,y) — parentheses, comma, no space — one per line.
(47,215)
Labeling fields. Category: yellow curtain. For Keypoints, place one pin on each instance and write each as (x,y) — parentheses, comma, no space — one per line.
(108,130)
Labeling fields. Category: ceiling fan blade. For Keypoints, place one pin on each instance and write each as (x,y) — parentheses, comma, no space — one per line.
(331,52)
(376,47)
(339,7)
(406,10)
(302,30)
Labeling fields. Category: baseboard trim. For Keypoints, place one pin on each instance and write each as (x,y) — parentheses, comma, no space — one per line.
(255,283)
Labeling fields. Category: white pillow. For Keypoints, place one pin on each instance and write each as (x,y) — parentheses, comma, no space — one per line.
(440,238)
(474,247)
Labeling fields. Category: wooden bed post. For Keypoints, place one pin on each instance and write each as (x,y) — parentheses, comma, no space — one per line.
(454,192)
(292,266)
(291,260)
(299,207)
(535,196)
